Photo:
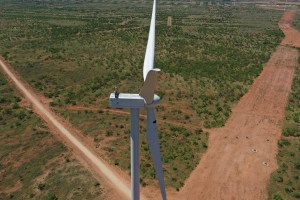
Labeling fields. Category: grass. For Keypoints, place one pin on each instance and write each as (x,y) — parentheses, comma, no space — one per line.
(75,53)
(33,164)
(285,182)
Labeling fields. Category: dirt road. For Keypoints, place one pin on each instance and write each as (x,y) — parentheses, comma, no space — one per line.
(292,35)
(242,155)
(121,189)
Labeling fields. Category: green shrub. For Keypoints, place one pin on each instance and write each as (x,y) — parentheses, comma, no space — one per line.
(277,197)
(41,186)
(51,196)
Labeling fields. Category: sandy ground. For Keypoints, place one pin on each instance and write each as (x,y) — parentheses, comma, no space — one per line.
(242,155)
(117,186)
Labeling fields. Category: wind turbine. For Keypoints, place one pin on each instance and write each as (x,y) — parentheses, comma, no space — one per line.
(146,99)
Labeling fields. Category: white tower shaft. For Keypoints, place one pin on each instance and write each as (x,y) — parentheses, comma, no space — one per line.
(135,158)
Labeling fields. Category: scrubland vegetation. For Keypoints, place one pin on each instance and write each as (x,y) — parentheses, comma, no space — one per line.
(33,165)
(75,53)
(296,21)
(285,182)
(180,155)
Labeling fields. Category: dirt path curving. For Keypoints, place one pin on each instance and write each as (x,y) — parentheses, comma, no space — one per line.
(292,35)
(117,187)
(242,155)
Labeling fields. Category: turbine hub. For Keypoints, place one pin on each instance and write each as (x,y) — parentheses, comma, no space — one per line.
(154,103)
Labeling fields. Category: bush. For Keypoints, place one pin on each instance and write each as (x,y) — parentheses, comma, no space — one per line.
(109,133)
(283,142)
(296,195)
(117,162)
(17,99)
(288,190)
(198,131)
(278,179)
(41,186)
(297,165)
(100,111)
(291,130)
(277,197)
(51,196)
(204,145)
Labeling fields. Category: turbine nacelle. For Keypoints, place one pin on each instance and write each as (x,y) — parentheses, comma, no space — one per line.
(146,98)
(126,100)
(155,102)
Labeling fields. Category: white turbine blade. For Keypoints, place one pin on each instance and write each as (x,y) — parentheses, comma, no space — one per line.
(147,91)
(153,143)
(149,56)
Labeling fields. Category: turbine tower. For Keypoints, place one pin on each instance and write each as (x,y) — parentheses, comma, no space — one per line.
(146,99)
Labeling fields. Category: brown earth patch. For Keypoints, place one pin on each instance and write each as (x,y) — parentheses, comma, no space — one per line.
(15,188)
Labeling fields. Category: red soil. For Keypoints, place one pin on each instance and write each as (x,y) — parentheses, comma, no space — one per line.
(292,35)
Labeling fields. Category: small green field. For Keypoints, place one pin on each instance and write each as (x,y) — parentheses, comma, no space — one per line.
(285,182)
(33,164)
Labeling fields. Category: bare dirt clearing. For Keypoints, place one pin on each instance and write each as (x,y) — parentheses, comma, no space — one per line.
(292,35)
(242,155)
